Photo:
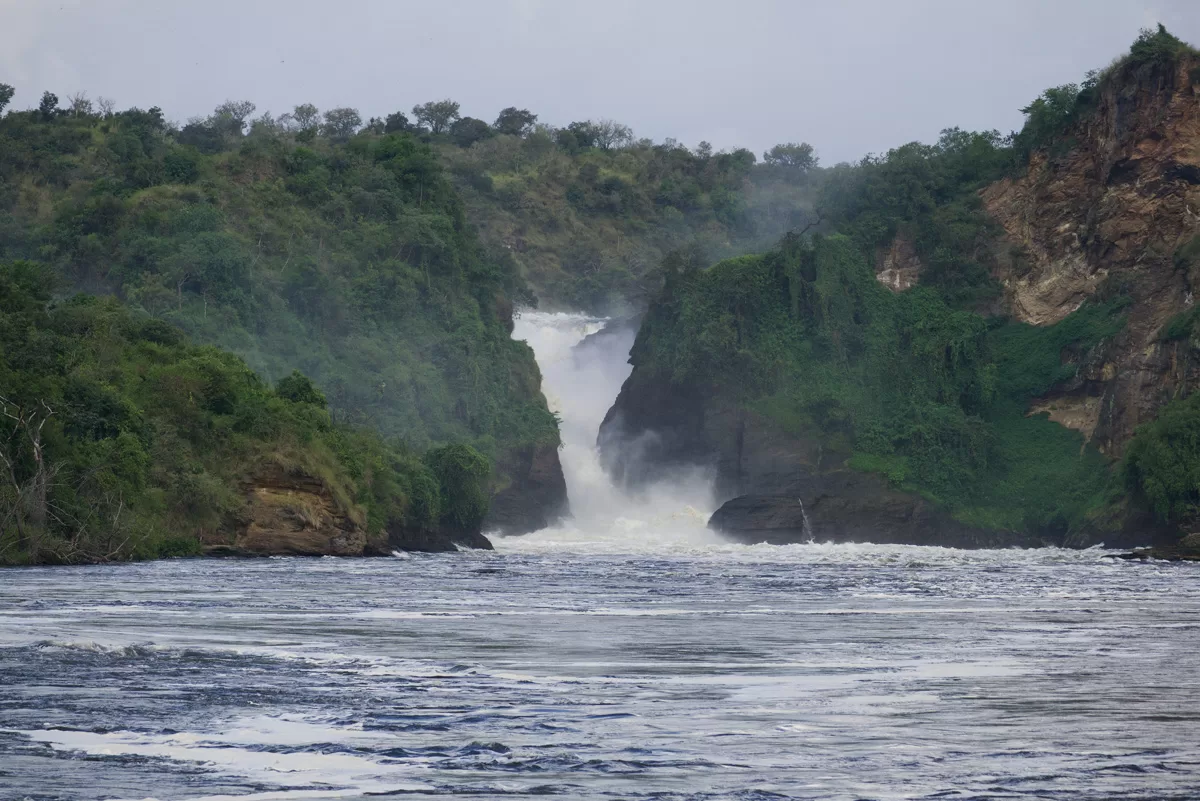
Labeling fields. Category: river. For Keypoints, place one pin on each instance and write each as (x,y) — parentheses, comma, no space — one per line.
(626,654)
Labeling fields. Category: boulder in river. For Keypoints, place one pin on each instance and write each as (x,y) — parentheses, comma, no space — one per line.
(858,511)
(1186,549)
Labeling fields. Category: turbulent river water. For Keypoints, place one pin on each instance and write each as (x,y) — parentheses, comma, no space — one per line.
(626,654)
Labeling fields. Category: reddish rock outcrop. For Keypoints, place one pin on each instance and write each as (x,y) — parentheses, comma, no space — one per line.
(1107,216)
(288,514)
(294,514)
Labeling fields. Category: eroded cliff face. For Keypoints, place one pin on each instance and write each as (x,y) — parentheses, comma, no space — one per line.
(1108,216)
(291,514)
(528,490)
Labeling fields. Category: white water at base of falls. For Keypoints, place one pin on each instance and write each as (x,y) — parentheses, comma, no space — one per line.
(580,385)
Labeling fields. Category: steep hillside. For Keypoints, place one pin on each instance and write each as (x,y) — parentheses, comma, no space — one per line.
(892,416)
(968,358)
(298,244)
(590,223)
(1114,207)
(120,439)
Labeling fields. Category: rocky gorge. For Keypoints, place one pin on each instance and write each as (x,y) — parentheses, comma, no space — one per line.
(986,341)
(1108,212)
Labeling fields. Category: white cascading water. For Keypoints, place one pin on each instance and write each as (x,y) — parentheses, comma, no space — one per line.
(580,385)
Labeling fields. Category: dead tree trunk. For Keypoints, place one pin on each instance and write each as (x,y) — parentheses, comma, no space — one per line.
(31,495)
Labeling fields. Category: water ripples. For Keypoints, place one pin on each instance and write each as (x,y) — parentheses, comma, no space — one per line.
(730,672)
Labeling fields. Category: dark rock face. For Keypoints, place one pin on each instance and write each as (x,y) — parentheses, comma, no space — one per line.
(1185,549)
(652,427)
(443,539)
(862,512)
(775,478)
(528,489)
(765,474)
(535,498)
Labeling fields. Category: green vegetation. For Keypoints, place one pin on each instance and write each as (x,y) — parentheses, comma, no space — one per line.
(121,440)
(586,212)
(589,212)
(298,242)
(317,244)
(462,472)
(926,195)
(1181,326)
(1052,116)
(920,386)
(917,386)
(1162,464)
(903,384)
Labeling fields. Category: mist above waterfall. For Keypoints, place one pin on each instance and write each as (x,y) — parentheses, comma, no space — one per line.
(583,366)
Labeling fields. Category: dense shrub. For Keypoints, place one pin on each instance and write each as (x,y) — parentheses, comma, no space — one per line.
(927,195)
(1050,119)
(122,440)
(590,225)
(298,247)
(1162,464)
(904,384)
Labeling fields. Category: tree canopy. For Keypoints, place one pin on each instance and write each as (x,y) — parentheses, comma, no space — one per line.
(792,156)
(514,121)
(436,115)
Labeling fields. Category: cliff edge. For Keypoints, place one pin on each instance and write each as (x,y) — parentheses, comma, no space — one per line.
(1118,210)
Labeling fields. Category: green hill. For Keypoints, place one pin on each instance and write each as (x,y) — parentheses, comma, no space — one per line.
(589,222)
(120,439)
(295,245)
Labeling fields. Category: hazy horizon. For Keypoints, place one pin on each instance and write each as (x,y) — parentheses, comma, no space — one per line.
(852,79)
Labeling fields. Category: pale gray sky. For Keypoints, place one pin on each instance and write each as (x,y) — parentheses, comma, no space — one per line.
(850,77)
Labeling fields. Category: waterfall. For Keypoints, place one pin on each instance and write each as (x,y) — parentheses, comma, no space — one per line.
(806,527)
(580,380)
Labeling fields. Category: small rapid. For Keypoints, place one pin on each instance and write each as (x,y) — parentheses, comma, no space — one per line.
(583,366)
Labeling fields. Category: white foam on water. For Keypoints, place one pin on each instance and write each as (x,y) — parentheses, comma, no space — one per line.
(239,752)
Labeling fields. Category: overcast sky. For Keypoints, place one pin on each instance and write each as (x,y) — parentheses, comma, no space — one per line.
(848,77)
